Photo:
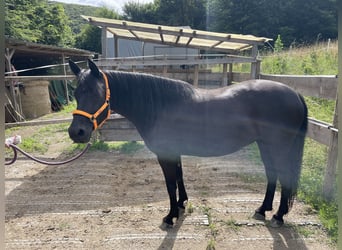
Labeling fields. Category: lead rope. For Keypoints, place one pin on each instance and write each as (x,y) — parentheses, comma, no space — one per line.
(51,163)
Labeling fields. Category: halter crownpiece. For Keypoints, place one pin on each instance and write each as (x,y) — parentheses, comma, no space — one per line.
(93,117)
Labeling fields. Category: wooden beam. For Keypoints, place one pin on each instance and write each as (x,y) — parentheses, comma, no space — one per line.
(191,37)
(189,61)
(118,128)
(230,77)
(196,75)
(207,36)
(318,86)
(131,31)
(254,64)
(179,36)
(116,46)
(37,123)
(104,41)
(320,131)
(161,34)
(224,75)
(65,81)
(330,171)
(216,44)
(42,78)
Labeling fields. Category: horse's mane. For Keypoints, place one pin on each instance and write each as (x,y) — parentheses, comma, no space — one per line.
(147,95)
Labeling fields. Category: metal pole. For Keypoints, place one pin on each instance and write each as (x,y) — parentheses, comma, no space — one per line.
(2,132)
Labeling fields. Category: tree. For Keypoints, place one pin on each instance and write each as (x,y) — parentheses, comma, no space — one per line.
(295,20)
(90,36)
(168,12)
(54,25)
(37,21)
(146,13)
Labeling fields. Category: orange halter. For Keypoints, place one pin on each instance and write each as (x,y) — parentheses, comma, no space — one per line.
(93,117)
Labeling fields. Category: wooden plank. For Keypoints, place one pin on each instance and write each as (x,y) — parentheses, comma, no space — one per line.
(322,86)
(118,128)
(320,131)
(330,172)
(159,61)
(37,123)
(254,64)
(104,41)
(224,75)
(39,78)
(119,135)
(195,83)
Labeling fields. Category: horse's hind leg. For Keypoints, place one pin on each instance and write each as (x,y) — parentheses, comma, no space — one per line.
(271,175)
(181,188)
(267,204)
(173,174)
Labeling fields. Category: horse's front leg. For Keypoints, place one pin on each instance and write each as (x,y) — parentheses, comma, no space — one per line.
(183,197)
(169,168)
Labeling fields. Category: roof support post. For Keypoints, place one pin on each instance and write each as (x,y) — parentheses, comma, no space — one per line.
(224,75)
(230,76)
(330,171)
(116,46)
(104,42)
(65,81)
(254,65)
(16,105)
(196,75)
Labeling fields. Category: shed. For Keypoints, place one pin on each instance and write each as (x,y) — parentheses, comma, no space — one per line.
(138,48)
(236,47)
(39,56)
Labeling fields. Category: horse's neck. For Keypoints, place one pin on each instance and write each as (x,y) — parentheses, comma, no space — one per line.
(128,101)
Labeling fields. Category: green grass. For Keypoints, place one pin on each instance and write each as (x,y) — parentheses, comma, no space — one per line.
(318,59)
(124,147)
(40,139)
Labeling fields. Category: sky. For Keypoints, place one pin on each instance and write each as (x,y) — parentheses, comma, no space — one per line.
(112,4)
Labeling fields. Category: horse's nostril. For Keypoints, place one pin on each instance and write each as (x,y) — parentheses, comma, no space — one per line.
(80,132)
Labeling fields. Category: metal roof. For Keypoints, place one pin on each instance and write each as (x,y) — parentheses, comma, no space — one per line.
(31,48)
(177,36)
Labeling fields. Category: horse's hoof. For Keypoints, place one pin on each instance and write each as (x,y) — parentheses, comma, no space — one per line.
(276,223)
(181,211)
(165,226)
(258,216)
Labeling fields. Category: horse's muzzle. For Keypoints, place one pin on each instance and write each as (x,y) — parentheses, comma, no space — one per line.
(79,134)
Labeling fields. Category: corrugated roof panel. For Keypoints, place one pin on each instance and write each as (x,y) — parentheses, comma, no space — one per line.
(178,35)
(121,32)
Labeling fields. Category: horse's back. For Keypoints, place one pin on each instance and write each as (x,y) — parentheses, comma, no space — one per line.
(221,121)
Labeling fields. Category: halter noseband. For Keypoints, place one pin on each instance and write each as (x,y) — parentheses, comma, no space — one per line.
(93,117)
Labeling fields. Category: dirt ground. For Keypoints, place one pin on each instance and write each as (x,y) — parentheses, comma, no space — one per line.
(110,200)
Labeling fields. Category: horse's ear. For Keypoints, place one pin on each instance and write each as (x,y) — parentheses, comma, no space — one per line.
(74,67)
(93,68)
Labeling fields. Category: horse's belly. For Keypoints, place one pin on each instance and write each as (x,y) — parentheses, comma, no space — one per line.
(201,141)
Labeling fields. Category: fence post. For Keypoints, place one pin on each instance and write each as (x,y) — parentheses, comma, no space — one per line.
(330,173)
(254,65)
(224,75)
(195,83)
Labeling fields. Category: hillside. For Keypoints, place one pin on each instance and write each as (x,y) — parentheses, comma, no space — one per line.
(74,12)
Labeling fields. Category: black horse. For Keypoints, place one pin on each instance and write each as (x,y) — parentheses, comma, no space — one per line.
(175,119)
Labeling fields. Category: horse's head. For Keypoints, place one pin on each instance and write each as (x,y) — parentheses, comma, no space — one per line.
(92,97)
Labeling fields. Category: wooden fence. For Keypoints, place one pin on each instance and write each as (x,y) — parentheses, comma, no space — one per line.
(120,129)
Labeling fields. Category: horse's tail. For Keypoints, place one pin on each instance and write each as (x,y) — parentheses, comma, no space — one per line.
(296,154)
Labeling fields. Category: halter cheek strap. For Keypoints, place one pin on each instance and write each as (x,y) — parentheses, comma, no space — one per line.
(106,105)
